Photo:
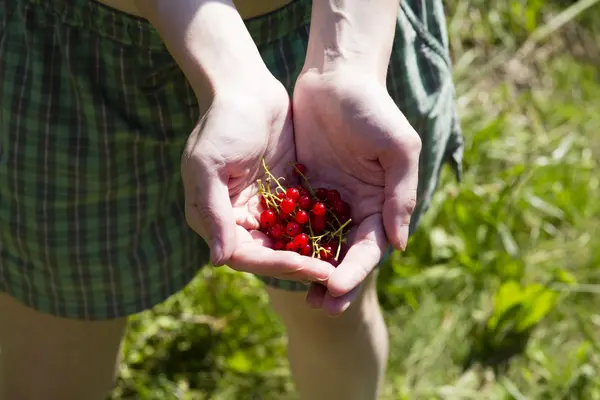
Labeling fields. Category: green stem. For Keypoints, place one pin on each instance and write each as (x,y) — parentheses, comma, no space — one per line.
(271,175)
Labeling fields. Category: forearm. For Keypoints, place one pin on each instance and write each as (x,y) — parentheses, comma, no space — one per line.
(355,32)
(209,41)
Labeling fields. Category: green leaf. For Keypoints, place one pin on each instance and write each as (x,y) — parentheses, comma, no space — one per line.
(537,308)
(508,296)
(239,362)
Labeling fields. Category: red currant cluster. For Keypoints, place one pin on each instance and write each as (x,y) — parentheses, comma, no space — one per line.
(310,222)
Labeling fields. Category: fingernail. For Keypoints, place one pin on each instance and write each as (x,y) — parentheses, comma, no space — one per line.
(325,272)
(404,232)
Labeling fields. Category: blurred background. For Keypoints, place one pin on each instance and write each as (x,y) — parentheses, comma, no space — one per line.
(498,295)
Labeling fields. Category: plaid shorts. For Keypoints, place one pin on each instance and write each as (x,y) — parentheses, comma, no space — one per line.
(94,114)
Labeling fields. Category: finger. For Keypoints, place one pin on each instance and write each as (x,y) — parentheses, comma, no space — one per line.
(363,255)
(213,214)
(252,255)
(247,208)
(334,306)
(246,219)
(401,180)
(315,295)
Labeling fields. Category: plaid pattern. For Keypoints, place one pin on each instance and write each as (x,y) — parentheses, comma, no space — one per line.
(94,114)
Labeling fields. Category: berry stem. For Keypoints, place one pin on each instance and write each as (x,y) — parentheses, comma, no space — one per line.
(271,175)
(305,179)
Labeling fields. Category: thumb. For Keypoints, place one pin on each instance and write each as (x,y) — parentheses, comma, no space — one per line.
(212,215)
(401,167)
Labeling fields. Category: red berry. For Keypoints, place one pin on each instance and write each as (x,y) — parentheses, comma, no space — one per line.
(281,195)
(340,208)
(299,169)
(283,216)
(304,192)
(333,195)
(301,240)
(321,194)
(263,201)
(279,244)
(288,205)
(326,252)
(317,223)
(276,231)
(334,245)
(302,217)
(305,202)
(306,250)
(291,246)
(319,209)
(292,229)
(293,193)
(268,218)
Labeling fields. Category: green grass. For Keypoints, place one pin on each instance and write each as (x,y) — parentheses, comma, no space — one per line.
(498,294)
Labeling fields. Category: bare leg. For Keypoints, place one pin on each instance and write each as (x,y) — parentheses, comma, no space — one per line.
(48,358)
(335,358)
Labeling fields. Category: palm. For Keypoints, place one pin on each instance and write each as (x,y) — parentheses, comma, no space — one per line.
(336,150)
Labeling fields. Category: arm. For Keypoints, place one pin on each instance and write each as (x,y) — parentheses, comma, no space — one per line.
(356,33)
(209,41)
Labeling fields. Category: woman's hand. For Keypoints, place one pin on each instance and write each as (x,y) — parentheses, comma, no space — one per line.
(220,166)
(352,137)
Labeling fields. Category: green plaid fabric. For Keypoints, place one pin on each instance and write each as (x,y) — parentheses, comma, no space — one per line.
(94,114)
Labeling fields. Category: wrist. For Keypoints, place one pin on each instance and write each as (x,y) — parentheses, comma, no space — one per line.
(352,35)
(210,43)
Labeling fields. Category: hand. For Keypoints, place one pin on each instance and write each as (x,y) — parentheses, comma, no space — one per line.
(352,137)
(220,166)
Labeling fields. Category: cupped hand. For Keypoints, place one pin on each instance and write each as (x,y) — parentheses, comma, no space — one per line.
(220,166)
(352,137)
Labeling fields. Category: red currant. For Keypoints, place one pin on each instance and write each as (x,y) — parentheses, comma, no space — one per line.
(268,218)
(281,195)
(291,246)
(292,229)
(317,223)
(293,193)
(334,245)
(302,217)
(301,240)
(304,192)
(305,202)
(306,250)
(276,231)
(288,205)
(340,208)
(299,169)
(321,194)
(263,202)
(326,252)
(319,209)
(279,244)
(333,195)
(283,216)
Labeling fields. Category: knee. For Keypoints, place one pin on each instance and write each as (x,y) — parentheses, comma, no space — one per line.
(299,319)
